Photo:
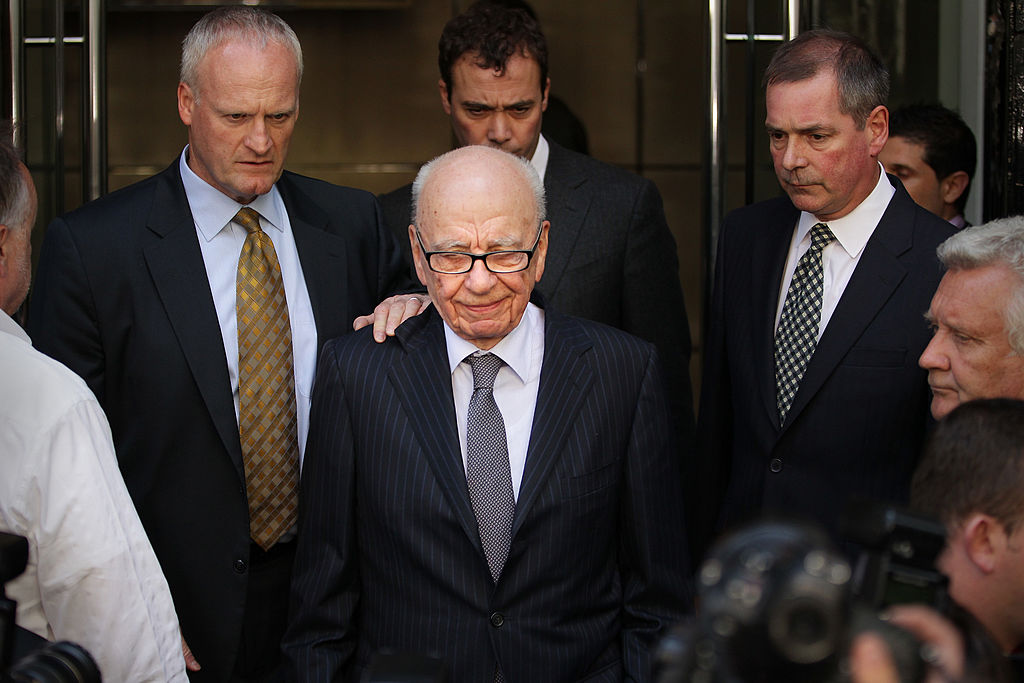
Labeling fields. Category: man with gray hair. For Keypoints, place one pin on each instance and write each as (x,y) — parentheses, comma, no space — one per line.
(496,485)
(92,577)
(977,317)
(194,304)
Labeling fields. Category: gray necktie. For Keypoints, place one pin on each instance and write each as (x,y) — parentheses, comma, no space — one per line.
(797,335)
(488,474)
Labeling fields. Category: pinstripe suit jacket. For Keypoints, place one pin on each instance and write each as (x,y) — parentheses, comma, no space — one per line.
(389,555)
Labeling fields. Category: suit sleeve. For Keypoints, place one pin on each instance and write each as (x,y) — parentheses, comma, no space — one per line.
(714,430)
(653,305)
(321,638)
(62,317)
(655,563)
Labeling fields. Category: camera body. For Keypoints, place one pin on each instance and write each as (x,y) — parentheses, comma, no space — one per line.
(61,662)
(777,602)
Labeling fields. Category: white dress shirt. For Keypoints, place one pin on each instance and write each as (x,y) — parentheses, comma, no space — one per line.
(840,258)
(92,577)
(221,242)
(540,157)
(515,387)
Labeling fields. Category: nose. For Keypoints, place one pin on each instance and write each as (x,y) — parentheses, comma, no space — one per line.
(934,357)
(258,137)
(499,131)
(479,280)
(793,156)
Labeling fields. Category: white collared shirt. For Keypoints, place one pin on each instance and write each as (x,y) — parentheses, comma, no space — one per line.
(840,258)
(221,242)
(92,576)
(515,387)
(540,157)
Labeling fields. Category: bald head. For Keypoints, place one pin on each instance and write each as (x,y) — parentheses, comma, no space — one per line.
(471,202)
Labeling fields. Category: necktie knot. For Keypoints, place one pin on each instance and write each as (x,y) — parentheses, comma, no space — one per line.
(821,236)
(248,219)
(485,369)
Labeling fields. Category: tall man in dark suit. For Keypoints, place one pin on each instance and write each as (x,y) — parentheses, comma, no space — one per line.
(610,245)
(148,294)
(524,525)
(812,390)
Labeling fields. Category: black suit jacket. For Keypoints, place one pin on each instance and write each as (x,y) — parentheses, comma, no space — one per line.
(389,555)
(860,414)
(122,298)
(611,258)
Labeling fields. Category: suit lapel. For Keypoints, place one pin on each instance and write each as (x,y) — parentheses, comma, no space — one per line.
(424,386)
(874,280)
(567,203)
(322,255)
(176,265)
(565,380)
(769,252)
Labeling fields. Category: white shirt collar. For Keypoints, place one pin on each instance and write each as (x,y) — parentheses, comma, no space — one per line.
(853,230)
(8,326)
(213,210)
(540,157)
(514,348)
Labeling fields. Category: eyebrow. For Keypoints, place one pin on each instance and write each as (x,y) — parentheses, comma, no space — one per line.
(491,107)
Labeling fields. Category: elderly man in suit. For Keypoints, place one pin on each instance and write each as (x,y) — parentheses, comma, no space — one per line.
(812,390)
(496,485)
(194,304)
(610,246)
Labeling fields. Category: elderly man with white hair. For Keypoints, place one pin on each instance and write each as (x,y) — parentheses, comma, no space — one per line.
(496,485)
(977,315)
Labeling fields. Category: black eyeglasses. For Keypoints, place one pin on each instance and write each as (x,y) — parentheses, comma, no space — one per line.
(457,262)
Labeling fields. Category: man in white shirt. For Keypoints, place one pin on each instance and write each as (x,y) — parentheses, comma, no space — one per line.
(92,577)
(495,485)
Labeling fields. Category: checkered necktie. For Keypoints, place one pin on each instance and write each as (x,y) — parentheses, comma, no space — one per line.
(487,468)
(266,387)
(798,325)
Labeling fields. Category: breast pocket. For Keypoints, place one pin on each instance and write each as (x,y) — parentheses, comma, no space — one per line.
(590,483)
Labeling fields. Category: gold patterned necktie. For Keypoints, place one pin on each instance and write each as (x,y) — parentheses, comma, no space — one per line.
(267,423)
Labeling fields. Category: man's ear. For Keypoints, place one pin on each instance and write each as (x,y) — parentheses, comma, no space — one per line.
(5,250)
(877,128)
(983,538)
(953,185)
(186,100)
(446,101)
(418,260)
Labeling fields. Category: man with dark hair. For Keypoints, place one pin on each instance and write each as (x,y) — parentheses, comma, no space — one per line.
(971,477)
(495,485)
(194,304)
(610,245)
(92,577)
(811,390)
(933,152)
(977,317)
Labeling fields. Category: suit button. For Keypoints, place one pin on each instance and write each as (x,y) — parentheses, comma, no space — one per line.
(497,619)
(775,465)
(239,566)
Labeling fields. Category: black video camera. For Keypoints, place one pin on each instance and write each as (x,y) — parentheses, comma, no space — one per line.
(61,662)
(777,601)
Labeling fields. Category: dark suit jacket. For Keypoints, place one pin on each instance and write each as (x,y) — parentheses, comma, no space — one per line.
(122,298)
(611,258)
(389,554)
(859,417)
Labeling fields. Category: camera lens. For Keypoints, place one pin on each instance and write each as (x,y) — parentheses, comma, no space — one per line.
(61,662)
